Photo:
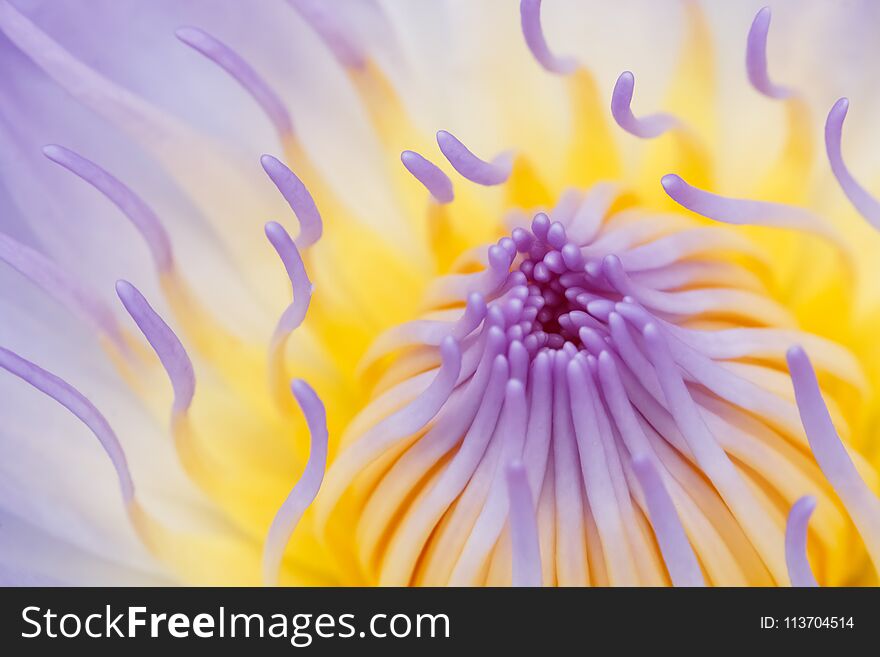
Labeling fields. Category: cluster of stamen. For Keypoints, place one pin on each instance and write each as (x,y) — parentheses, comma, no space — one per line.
(571,401)
(558,285)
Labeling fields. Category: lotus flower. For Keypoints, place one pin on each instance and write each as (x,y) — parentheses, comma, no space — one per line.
(539,324)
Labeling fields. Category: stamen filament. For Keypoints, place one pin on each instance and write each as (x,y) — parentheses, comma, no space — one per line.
(799,570)
(303,493)
(523,528)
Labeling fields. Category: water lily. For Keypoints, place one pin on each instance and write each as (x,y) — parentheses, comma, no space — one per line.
(438,293)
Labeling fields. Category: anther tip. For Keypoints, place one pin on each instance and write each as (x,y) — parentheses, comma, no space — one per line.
(53,151)
(611,261)
(123,288)
(299,388)
(449,348)
(515,469)
(625,80)
(274,231)
(269,162)
(186,33)
(807,502)
(796,355)
(671,182)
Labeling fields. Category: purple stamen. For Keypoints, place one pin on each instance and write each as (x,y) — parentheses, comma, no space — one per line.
(863,202)
(684,569)
(298,198)
(132,206)
(647,127)
(597,478)
(75,402)
(523,528)
(490,523)
(165,343)
(523,239)
(303,493)
(430,175)
(404,422)
(756,58)
(530,18)
(744,212)
(243,73)
(831,454)
(799,571)
(541,226)
(556,235)
(470,166)
(456,476)
(295,313)
(712,459)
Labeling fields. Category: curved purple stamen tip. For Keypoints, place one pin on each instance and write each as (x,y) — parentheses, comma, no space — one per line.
(470,166)
(756,58)
(745,212)
(75,402)
(684,569)
(165,343)
(523,528)
(430,175)
(323,19)
(243,73)
(831,454)
(295,313)
(866,204)
(298,198)
(303,493)
(132,206)
(647,127)
(530,18)
(799,571)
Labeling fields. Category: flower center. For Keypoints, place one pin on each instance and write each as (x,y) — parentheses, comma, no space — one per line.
(605,349)
(556,286)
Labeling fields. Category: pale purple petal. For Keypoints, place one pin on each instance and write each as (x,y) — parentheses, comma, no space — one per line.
(76,403)
(325,21)
(61,286)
